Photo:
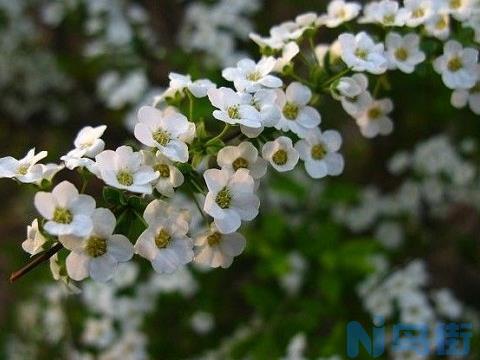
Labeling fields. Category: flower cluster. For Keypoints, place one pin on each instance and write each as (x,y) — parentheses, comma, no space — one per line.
(112,327)
(387,294)
(441,177)
(215,142)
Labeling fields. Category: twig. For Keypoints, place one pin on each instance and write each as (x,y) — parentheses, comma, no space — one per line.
(41,258)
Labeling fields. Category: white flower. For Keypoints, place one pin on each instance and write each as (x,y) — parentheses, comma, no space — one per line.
(124,169)
(289,51)
(87,145)
(166,131)
(446,304)
(35,240)
(460,98)
(385,12)
(285,32)
(88,142)
(296,115)
(281,154)
(417,12)
(165,243)
(230,198)
(98,332)
(457,65)
(353,94)
(99,252)
(294,278)
(25,170)
(67,211)
(438,26)
(202,322)
(264,101)
(361,54)
(461,10)
(403,52)
(250,77)
(375,119)
(415,308)
(319,151)
(243,156)
(339,12)
(179,83)
(170,177)
(390,234)
(215,249)
(234,108)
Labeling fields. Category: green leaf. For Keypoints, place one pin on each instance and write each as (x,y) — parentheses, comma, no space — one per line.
(114,196)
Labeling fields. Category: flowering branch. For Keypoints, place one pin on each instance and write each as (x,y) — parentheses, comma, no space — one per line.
(274,123)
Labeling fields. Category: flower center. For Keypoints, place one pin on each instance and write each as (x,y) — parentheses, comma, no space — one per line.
(401,54)
(125,178)
(418,13)
(62,216)
(22,169)
(374,113)
(389,19)
(455,64)
(318,151)
(455,4)
(163,169)
(290,111)
(341,14)
(86,145)
(214,239)
(254,76)
(224,198)
(361,53)
(233,112)
(96,246)
(162,239)
(280,157)
(441,23)
(240,163)
(162,137)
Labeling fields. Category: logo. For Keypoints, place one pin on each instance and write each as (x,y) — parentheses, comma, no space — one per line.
(441,339)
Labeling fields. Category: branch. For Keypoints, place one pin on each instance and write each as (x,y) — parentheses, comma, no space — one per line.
(39,259)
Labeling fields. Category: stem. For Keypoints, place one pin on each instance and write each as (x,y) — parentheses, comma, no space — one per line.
(219,136)
(336,77)
(197,187)
(233,135)
(41,258)
(190,105)
(300,79)
(195,200)
(84,185)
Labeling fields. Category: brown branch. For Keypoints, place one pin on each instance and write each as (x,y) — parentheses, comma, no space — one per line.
(39,259)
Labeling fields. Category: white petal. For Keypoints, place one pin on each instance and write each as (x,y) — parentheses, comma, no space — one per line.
(104,222)
(77,266)
(102,268)
(298,93)
(120,248)
(45,204)
(64,193)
